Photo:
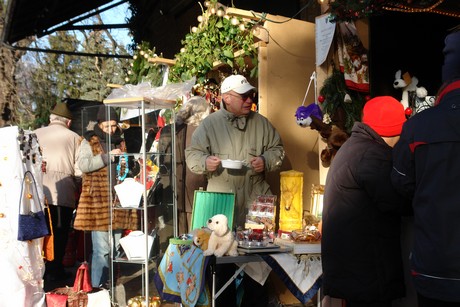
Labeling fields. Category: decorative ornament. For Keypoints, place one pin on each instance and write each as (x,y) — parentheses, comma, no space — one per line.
(408,111)
(321,98)
(347,98)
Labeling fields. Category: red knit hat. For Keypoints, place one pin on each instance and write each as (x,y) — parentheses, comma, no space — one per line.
(385,115)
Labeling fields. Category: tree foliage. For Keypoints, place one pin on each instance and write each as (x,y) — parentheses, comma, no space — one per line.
(11,106)
(47,78)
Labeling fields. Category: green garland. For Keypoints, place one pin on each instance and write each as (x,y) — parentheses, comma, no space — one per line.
(142,70)
(215,39)
(334,91)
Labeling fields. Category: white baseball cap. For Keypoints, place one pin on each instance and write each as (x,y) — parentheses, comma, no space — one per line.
(236,83)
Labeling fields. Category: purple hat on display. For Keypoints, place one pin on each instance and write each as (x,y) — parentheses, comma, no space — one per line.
(304,113)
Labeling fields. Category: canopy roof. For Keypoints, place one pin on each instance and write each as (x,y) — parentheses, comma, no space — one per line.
(28,18)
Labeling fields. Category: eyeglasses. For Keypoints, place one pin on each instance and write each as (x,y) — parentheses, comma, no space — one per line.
(245,96)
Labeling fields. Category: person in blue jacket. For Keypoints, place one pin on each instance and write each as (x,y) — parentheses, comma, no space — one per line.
(427,169)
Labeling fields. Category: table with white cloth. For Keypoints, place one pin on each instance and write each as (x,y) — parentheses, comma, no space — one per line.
(301,273)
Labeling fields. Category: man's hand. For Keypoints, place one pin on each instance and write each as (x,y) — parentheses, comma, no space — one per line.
(258,164)
(212,163)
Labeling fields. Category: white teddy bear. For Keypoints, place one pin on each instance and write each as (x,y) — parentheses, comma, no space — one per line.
(222,242)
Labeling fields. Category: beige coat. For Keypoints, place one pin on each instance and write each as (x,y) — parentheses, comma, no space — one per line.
(60,147)
(219,135)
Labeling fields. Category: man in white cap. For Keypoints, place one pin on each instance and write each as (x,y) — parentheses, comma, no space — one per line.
(236,132)
(61,181)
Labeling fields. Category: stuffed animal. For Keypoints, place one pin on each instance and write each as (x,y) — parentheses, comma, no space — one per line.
(333,143)
(201,238)
(303,114)
(408,84)
(221,242)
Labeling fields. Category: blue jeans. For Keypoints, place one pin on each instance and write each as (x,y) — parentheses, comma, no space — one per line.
(100,256)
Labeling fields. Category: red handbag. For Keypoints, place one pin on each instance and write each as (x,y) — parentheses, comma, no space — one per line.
(56,300)
(77,296)
(83,279)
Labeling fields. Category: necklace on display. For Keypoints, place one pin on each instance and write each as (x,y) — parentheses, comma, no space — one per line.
(122,167)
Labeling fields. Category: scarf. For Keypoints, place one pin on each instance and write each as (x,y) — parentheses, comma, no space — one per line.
(115,138)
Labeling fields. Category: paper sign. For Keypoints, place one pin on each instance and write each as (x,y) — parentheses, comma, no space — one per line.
(324,34)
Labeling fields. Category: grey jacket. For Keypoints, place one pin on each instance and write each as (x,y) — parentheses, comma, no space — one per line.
(219,135)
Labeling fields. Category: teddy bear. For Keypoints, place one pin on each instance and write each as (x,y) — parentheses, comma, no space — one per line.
(222,241)
(201,238)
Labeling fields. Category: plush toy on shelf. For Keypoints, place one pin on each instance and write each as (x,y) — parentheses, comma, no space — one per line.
(408,84)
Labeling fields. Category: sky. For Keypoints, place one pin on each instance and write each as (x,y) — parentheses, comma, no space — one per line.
(115,15)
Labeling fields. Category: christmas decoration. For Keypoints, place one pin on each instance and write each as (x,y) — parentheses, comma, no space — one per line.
(321,98)
(142,70)
(335,93)
(348,10)
(408,111)
(216,39)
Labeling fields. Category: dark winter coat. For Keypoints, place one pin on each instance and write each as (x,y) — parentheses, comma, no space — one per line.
(360,246)
(427,169)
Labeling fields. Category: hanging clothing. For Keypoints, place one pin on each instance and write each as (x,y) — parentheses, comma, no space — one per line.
(21,262)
